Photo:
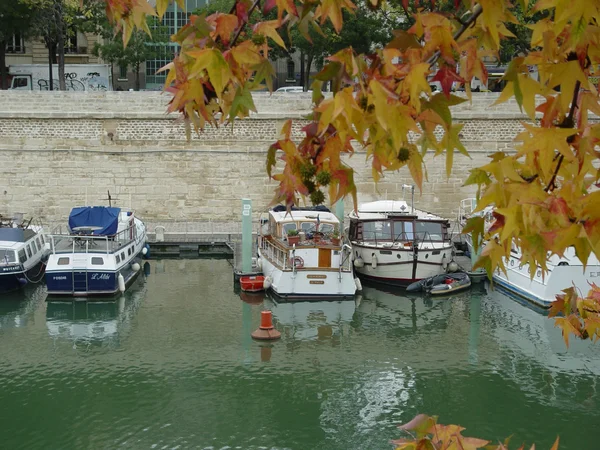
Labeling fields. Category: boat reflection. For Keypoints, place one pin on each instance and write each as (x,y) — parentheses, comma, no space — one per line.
(17,308)
(311,320)
(94,322)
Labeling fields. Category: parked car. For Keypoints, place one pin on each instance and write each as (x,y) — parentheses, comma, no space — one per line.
(291,89)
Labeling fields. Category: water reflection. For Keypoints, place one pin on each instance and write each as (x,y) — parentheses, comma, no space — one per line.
(311,320)
(17,308)
(94,322)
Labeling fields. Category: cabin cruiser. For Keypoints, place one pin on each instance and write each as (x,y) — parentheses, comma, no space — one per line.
(301,255)
(98,253)
(563,272)
(394,243)
(23,253)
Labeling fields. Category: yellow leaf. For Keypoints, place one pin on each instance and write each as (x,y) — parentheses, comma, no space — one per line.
(269,29)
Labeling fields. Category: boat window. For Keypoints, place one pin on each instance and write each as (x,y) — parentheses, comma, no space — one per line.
(28,250)
(123,256)
(7,257)
(409,231)
(64,261)
(379,230)
(308,227)
(22,256)
(118,259)
(97,261)
(37,241)
(34,247)
(289,226)
(129,251)
(429,231)
(326,228)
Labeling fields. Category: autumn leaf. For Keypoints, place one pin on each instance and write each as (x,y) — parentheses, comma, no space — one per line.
(447,76)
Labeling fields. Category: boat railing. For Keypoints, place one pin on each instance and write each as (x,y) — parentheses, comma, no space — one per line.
(410,240)
(89,243)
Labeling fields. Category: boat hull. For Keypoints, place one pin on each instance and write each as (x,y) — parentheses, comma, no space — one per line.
(13,278)
(399,267)
(308,283)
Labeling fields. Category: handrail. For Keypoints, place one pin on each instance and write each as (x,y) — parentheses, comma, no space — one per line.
(120,238)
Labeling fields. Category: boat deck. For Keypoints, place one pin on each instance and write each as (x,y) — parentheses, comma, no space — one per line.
(85,244)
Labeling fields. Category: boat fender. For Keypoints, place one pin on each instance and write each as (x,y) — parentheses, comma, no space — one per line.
(136,267)
(146,251)
(359,263)
(452,267)
(358,284)
(121,282)
(259,264)
(374,261)
(267,283)
(297,262)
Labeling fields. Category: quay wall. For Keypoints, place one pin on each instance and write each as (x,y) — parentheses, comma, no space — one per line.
(62,149)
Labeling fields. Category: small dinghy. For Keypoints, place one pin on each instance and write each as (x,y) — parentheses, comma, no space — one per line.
(252,283)
(442,284)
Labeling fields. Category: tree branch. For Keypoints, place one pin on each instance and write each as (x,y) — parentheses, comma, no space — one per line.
(567,122)
(470,21)
(239,31)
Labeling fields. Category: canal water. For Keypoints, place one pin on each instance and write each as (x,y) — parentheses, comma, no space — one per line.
(171,365)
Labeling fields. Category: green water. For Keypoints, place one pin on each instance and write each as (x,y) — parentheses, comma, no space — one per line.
(172,365)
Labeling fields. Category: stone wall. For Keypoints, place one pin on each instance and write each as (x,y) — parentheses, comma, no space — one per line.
(61,149)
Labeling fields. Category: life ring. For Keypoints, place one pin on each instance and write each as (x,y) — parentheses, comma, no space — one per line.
(297,262)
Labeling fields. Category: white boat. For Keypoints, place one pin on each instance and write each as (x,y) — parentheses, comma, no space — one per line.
(317,265)
(23,253)
(563,272)
(98,254)
(394,243)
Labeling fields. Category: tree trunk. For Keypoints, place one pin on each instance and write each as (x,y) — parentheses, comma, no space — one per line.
(309,61)
(137,77)
(302,68)
(61,61)
(3,74)
(50,61)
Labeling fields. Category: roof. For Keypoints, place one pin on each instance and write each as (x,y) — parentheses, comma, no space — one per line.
(383,209)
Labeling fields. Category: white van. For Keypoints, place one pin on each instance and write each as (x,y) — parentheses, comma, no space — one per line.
(291,89)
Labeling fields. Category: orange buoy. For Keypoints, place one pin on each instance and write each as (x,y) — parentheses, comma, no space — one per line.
(266,331)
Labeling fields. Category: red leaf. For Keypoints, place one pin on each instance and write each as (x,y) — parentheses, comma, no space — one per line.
(405,4)
(241,11)
(268,6)
(456,4)
(498,223)
(447,76)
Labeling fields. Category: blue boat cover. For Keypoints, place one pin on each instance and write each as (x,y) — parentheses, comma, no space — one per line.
(107,219)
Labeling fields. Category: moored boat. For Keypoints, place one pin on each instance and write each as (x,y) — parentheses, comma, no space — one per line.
(252,283)
(300,256)
(99,253)
(397,244)
(563,272)
(442,284)
(23,253)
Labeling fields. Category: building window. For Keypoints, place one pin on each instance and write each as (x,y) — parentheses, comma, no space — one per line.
(15,44)
(291,70)
(71,41)
(123,73)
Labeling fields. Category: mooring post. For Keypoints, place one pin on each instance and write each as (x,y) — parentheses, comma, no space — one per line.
(339,212)
(246,235)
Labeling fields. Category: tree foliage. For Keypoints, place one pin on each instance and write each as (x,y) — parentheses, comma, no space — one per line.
(15,17)
(544,195)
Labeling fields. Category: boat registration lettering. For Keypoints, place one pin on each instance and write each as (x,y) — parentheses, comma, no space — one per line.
(64,277)
(594,274)
(100,276)
(317,276)
(317,282)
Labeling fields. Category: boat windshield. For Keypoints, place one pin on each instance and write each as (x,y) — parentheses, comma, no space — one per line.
(288,226)
(7,257)
(429,231)
(377,230)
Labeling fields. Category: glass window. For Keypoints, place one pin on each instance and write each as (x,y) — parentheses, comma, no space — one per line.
(21,82)
(97,261)
(64,261)
(15,44)
(7,257)
(122,256)
(129,251)
(34,247)
(122,72)
(308,227)
(326,228)
(71,40)
(428,231)
(37,240)
(409,231)
(291,73)
(29,251)
(289,226)
(380,230)
(22,256)
(118,259)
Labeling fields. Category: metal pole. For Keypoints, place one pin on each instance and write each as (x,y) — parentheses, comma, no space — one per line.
(339,212)
(246,235)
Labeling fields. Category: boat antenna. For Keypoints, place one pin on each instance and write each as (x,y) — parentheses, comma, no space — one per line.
(110,199)
(412,197)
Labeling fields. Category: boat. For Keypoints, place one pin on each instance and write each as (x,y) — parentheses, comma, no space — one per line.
(443,284)
(563,272)
(23,252)
(99,253)
(252,283)
(300,256)
(396,244)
